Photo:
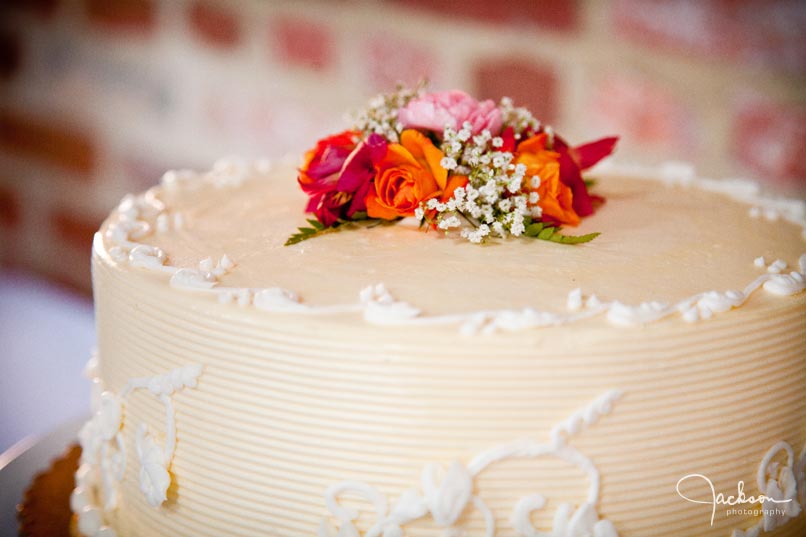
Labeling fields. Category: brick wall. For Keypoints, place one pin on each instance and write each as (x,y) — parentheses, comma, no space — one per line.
(98,97)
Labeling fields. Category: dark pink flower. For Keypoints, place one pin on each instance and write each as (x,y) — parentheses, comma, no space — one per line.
(319,172)
(337,173)
(574,160)
(328,206)
(359,170)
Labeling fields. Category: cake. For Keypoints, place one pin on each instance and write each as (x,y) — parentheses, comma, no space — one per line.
(387,376)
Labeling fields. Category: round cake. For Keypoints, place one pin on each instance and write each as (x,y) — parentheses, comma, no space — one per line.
(391,380)
(432,354)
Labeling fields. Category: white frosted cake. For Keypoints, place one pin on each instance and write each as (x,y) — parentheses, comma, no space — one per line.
(381,380)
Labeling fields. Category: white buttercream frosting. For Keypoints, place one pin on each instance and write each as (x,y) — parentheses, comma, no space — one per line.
(154,477)
(448,492)
(779,485)
(103,456)
(192,279)
(316,373)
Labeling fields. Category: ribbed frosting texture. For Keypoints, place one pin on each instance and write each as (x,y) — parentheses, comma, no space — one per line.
(289,404)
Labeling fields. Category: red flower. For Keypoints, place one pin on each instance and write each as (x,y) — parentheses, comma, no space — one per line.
(574,160)
(320,172)
(509,142)
(337,173)
(359,170)
(328,206)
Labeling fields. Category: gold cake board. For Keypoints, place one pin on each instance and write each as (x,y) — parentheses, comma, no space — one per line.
(45,507)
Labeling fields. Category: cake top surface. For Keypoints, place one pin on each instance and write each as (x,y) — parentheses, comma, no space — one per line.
(436,207)
(659,242)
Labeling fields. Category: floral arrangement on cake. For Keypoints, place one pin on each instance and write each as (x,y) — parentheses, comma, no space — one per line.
(455,164)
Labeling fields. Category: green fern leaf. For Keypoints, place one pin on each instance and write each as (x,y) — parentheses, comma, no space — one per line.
(547,232)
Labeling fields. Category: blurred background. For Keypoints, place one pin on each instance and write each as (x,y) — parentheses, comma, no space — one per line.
(99,97)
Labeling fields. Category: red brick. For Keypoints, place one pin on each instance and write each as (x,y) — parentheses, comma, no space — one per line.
(391,60)
(71,271)
(52,143)
(10,53)
(132,16)
(529,84)
(769,138)
(75,229)
(76,279)
(72,239)
(302,42)
(643,112)
(79,283)
(215,24)
(560,15)
(42,8)
(767,34)
(10,209)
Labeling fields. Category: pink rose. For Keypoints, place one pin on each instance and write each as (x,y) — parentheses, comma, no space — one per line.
(433,111)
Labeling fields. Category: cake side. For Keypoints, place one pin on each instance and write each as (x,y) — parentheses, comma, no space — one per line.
(290,405)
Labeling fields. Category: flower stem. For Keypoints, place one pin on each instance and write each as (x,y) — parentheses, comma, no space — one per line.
(469,220)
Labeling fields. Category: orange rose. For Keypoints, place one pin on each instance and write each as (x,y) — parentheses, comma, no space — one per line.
(409,174)
(454,182)
(556,198)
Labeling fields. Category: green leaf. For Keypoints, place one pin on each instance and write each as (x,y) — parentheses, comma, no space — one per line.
(532,230)
(360,219)
(305,233)
(359,215)
(573,239)
(317,225)
(589,183)
(546,233)
(550,233)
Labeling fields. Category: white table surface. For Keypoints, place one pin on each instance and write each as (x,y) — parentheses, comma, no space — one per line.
(46,336)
